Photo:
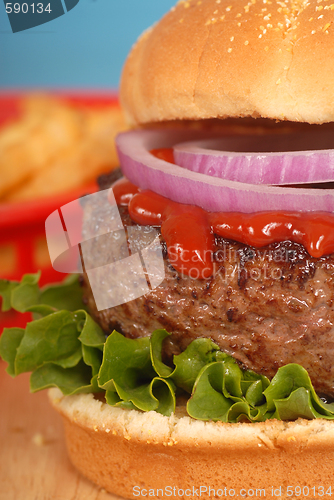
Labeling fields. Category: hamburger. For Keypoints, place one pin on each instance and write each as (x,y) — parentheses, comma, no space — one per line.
(219,380)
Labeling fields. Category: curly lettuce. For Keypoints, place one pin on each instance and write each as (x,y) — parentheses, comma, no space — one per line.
(64,347)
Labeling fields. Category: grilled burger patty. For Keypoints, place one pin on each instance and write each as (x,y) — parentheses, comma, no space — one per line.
(266,307)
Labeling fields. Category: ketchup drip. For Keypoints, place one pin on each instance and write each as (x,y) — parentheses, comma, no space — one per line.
(185,229)
(314,230)
(123,191)
(189,230)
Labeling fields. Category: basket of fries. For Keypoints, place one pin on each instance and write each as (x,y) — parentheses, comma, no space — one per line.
(52,149)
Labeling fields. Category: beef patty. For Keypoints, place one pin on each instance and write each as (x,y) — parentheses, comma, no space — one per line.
(266,307)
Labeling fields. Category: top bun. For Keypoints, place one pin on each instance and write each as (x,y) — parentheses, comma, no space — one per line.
(233,58)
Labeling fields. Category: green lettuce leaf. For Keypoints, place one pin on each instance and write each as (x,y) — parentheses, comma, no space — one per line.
(66,295)
(69,380)
(25,295)
(281,392)
(53,338)
(208,401)
(222,392)
(190,362)
(10,341)
(64,347)
(126,362)
(6,290)
(128,375)
(156,353)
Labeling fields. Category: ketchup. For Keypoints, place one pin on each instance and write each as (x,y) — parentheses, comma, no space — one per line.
(185,229)
(166,154)
(123,191)
(314,230)
(189,230)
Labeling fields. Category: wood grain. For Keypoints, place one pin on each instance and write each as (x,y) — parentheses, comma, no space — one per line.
(33,459)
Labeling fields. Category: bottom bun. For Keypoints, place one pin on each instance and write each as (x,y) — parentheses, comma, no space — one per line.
(134,454)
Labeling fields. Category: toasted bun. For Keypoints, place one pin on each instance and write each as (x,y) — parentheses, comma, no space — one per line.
(124,449)
(220,58)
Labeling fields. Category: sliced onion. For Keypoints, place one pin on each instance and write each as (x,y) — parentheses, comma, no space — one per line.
(211,193)
(279,159)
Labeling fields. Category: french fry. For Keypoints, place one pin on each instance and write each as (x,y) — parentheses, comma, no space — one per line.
(56,147)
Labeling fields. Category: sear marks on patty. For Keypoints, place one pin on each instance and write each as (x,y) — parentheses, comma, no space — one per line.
(266,307)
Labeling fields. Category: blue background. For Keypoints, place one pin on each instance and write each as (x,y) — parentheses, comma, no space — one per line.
(85,48)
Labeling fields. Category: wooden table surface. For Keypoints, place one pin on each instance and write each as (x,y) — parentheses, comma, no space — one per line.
(33,459)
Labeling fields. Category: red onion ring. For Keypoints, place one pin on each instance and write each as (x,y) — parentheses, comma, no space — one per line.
(211,193)
(281,159)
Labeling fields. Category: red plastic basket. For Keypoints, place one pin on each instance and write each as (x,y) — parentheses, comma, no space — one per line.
(22,225)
